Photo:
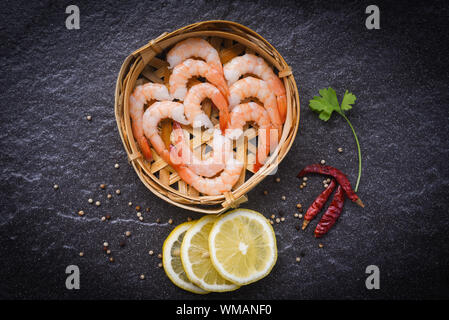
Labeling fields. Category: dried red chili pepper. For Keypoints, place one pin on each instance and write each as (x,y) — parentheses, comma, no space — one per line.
(338,175)
(332,213)
(318,204)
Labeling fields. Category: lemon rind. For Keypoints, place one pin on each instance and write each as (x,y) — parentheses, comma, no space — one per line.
(166,259)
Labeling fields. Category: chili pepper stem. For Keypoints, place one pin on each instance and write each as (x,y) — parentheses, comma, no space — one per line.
(358,151)
(305,224)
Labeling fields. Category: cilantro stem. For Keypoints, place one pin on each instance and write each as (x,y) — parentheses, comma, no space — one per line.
(358,149)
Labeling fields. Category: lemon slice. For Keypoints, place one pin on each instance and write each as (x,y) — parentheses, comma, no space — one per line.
(171,259)
(242,246)
(196,259)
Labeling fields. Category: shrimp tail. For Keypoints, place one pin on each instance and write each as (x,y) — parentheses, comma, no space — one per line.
(219,81)
(282,106)
(224,120)
(224,89)
(221,103)
(257,165)
(145,148)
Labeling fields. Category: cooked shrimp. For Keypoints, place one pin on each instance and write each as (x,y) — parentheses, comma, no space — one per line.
(194,47)
(208,167)
(210,186)
(247,112)
(144,93)
(190,68)
(153,115)
(252,64)
(252,87)
(192,104)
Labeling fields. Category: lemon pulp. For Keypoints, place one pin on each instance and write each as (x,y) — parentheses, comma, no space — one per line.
(242,246)
(196,260)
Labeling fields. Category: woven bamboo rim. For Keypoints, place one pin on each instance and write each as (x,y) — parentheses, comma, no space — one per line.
(144,65)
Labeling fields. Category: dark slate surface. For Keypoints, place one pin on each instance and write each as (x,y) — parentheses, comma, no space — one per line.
(53,77)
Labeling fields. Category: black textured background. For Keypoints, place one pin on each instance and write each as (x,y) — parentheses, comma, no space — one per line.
(53,77)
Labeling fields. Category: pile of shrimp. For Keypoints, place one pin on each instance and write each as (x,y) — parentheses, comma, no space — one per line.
(230,92)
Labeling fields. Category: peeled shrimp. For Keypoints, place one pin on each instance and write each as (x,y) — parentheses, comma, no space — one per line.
(252,64)
(190,68)
(194,47)
(209,186)
(142,94)
(192,104)
(252,87)
(208,167)
(153,115)
(246,112)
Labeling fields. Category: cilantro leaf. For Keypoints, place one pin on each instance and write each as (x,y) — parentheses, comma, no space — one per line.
(327,103)
(348,99)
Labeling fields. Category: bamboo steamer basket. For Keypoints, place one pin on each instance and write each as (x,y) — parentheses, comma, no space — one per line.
(148,64)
